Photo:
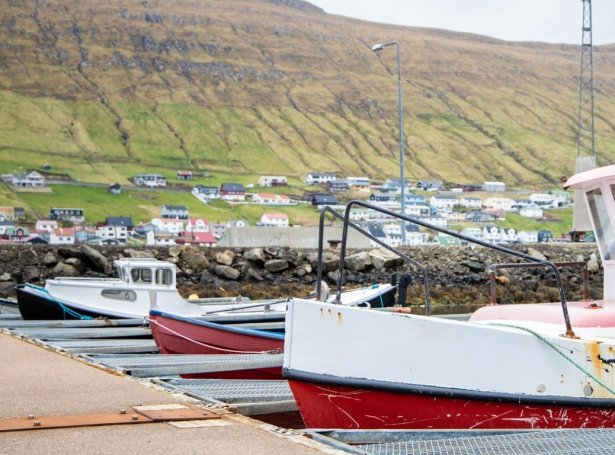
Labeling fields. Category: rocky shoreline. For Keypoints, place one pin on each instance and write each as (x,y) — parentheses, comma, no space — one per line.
(456,275)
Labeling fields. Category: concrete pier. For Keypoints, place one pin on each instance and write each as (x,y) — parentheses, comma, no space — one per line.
(39,382)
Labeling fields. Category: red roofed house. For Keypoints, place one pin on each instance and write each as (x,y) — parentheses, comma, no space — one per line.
(274,220)
(206,239)
(62,236)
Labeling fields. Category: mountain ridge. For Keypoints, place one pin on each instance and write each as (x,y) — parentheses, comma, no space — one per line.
(265,87)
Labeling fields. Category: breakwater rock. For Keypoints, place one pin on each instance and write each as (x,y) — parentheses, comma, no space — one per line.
(455,274)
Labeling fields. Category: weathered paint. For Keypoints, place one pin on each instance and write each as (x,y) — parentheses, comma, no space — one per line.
(324,406)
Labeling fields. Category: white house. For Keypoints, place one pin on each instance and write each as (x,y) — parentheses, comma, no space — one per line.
(274,220)
(170,225)
(46,226)
(358,183)
(444,203)
(508,235)
(272,180)
(30,179)
(561,198)
(541,198)
(197,225)
(115,232)
(474,232)
(435,220)
(159,239)
(494,187)
(150,180)
(470,202)
(528,236)
(455,217)
(500,203)
(359,214)
(491,233)
(62,236)
(174,211)
(417,210)
(319,178)
(532,211)
(272,199)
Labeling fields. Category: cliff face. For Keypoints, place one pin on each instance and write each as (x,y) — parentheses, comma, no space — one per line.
(456,275)
(106,89)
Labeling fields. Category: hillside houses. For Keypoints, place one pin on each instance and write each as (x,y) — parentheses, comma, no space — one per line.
(272,180)
(31,179)
(274,220)
(233,192)
(150,180)
(179,212)
(320,178)
(272,199)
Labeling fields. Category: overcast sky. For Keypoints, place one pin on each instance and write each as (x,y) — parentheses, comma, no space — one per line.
(552,21)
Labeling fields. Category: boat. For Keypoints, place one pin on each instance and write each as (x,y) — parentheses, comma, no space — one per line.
(234,331)
(356,368)
(127,296)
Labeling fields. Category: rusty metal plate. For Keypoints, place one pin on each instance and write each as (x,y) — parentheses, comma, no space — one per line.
(165,413)
(85,420)
(138,414)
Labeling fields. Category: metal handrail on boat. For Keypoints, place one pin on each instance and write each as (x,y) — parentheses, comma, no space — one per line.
(359,229)
(526,265)
(501,249)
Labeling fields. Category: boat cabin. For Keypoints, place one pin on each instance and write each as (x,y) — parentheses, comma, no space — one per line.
(598,188)
(146,271)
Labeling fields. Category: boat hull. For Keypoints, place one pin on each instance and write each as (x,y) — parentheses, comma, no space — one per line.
(329,406)
(177,335)
(34,306)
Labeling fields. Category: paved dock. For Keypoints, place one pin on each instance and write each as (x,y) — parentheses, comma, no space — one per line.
(36,381)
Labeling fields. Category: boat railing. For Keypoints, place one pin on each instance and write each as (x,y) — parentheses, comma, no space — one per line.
(328,210)
(525,265)
(492,246)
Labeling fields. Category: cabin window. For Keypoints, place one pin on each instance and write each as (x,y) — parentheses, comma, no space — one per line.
(141,275)
(164,277)
(119,294)
(602,223)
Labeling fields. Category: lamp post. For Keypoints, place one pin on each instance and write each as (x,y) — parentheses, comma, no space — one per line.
(377,48)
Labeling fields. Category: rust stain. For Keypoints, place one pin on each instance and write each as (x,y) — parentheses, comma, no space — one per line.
(339,317)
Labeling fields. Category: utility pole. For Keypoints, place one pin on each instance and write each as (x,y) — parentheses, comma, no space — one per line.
(586,146)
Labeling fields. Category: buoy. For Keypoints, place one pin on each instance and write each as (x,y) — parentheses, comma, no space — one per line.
(193,297)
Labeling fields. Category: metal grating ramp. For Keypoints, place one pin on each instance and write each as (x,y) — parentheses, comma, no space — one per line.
(561,442)
(63,333)
(173,364)
(102,346)
(248,397)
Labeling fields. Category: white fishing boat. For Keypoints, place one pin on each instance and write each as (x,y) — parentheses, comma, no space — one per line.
(127,296)
(351,367)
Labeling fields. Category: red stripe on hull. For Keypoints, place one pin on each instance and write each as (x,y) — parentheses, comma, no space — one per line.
(324,406)
(171,343)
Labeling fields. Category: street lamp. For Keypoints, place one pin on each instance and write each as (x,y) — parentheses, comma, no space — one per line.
(378,48)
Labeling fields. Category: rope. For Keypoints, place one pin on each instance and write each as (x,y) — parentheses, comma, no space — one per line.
(375,286)
(65,310)
(217,348)
(556,349)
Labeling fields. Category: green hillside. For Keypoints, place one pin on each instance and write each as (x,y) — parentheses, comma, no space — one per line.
(103,91)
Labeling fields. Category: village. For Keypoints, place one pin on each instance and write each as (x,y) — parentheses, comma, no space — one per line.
(476,207)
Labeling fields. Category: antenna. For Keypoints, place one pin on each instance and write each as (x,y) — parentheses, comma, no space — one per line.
(586,150)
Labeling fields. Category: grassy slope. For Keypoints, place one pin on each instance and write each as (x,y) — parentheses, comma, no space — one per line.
(240,95)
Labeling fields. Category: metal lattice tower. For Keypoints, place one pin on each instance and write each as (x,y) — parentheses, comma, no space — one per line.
(586,150)
(585,134)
